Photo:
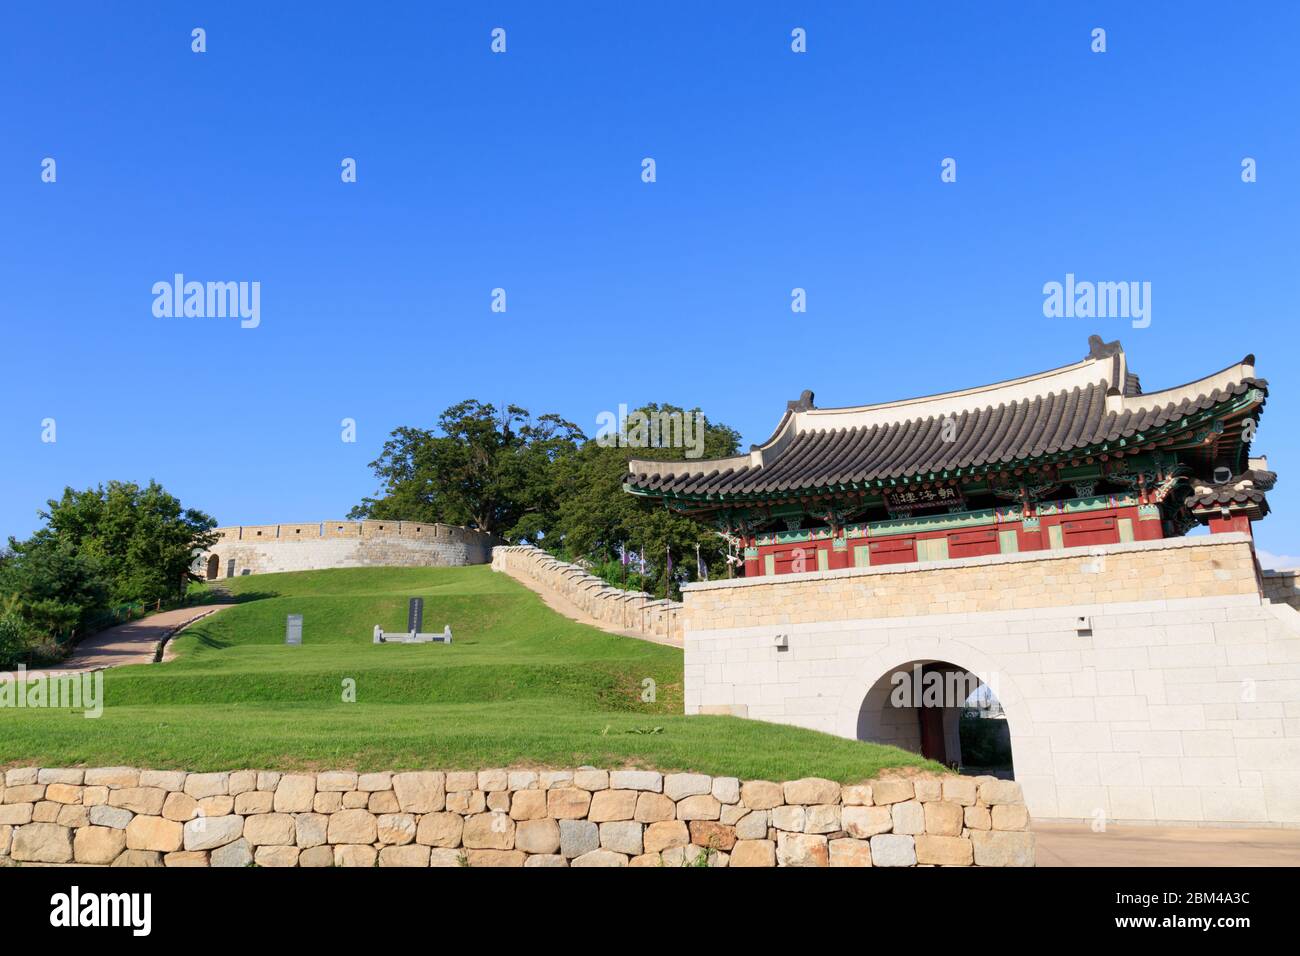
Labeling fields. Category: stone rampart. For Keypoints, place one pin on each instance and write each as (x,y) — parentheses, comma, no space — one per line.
(263,549)
(619,609)
(121,816)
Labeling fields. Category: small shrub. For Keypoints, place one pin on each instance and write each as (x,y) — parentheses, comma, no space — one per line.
(14,641)
(701,860)
(44,652)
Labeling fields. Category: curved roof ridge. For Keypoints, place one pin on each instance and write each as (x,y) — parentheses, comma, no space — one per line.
(1219,381)
(1049,413)
(1089,371)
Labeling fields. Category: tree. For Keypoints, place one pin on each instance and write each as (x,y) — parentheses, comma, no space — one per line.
(598,519)
(50,588)
(140,537)
(484,468)
(542,480)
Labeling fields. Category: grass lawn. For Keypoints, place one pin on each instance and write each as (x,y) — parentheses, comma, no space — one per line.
(520,686)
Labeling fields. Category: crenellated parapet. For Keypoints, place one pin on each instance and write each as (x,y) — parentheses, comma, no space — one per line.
(267,548)
(612,607)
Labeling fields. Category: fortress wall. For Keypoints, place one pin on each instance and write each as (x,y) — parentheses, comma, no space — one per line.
(623,610)
(265,549)
(1283,587)
(1150,682)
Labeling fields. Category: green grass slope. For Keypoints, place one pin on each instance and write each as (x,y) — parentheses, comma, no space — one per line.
(520,686)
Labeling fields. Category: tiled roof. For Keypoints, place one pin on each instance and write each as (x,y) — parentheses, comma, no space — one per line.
(1248,487)
(1069,408)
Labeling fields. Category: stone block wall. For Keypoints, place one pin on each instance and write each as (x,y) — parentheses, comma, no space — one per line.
(623,610)
(1148,682)
(122,816)
(262,549)
(1282,587)
(1161,570)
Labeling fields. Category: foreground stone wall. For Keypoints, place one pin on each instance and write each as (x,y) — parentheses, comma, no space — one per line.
(623,610)
(1146,682)
(122,816)
(263,549)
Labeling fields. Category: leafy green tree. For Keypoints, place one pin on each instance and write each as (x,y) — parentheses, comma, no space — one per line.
(542,480)
(49,590)
(141,538)
(482,467)
(597,519)
(113,544)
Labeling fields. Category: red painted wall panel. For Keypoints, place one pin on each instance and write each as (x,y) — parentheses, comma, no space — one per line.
(893,550)
(793,559)
(1077,532)
(972,544)
(1099,527)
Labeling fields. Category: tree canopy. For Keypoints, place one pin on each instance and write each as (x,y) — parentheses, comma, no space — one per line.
(482,467)
(598,520)
(118,543)
(543,481)
(142,538)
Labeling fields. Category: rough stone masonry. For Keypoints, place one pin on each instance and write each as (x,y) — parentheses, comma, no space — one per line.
(123,816)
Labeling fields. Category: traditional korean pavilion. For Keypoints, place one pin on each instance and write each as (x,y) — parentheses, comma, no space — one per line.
(1073,456)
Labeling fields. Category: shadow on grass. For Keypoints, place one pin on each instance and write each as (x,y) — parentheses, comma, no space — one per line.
(200,634)
(211,595)
(199,629)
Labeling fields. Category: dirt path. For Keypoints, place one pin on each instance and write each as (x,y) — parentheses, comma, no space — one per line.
(135,642)
(1075,844)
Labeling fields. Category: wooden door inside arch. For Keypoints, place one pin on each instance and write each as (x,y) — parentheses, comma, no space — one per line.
(933,745)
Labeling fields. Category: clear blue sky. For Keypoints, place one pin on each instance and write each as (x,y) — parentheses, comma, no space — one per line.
(522,171)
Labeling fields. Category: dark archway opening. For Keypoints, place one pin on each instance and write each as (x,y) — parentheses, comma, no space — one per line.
(941,711)
(214,567)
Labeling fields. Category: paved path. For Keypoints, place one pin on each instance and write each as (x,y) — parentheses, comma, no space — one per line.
(1074,844)
(135,642)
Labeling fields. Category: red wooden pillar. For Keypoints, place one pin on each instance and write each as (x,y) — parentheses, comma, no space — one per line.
(1035,538)
(1147,529)
(1222,525)
(1032,539)
(753,566)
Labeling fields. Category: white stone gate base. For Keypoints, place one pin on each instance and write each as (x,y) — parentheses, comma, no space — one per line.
(1143,682)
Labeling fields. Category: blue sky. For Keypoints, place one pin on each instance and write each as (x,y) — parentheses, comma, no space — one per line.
(775,170)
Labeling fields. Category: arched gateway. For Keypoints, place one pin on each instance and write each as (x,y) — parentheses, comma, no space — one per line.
(934,706)
(1029,532)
